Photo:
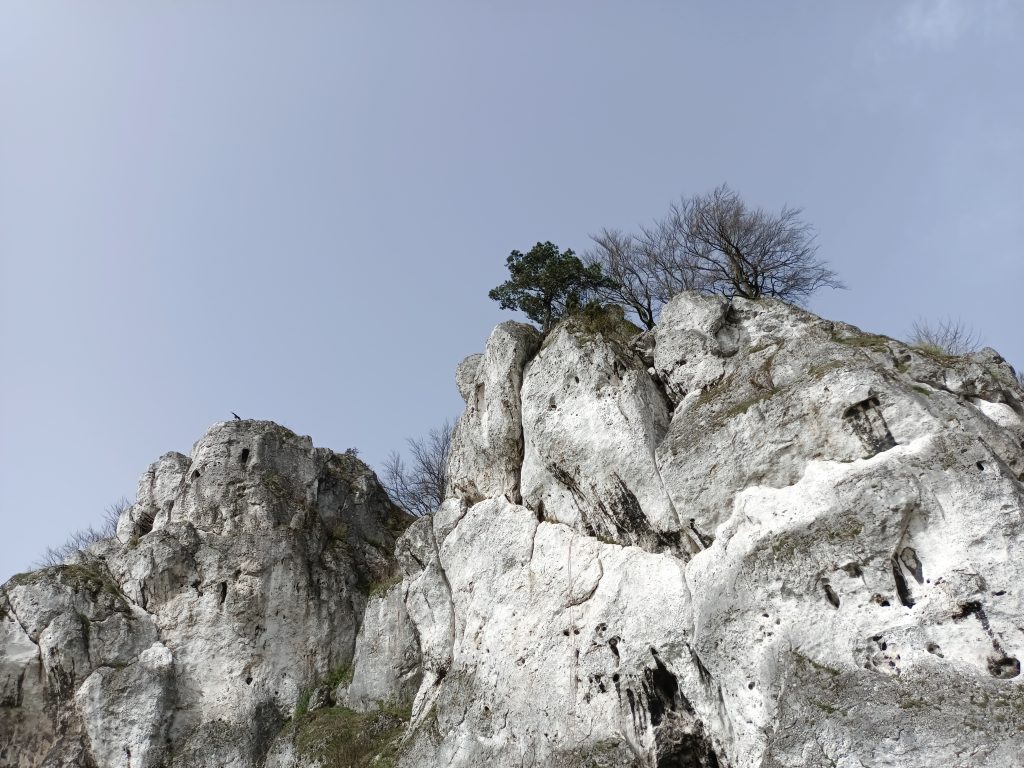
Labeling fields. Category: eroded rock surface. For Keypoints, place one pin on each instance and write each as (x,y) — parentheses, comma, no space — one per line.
(819,567)
(238,579)
(750,538)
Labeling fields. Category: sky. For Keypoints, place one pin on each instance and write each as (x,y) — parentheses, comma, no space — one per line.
(295,210)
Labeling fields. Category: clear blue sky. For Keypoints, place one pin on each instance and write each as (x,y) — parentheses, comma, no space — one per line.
(295,210)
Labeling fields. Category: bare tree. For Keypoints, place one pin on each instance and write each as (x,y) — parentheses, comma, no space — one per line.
(711,243)
(80,540)
(649,267)
(419,488)
(747,252)
(948,337)
(621,259)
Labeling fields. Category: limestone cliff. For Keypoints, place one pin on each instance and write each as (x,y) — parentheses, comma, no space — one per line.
(238,579)
(749,537)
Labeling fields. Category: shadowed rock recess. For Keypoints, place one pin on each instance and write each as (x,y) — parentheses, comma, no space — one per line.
(748,537)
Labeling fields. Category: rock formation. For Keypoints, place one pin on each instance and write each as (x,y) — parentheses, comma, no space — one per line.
(749,537)
(238,579)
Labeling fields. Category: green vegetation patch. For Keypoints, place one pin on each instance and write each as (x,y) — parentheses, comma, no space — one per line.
(91,577)
(340,737)
(746,404)
(605,320)
(862,340)
(818,372)
(712,393)
(381,587)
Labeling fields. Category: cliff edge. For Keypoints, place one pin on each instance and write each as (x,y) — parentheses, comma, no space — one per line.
(750,537)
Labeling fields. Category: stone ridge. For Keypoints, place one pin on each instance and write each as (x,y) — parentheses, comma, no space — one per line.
(750,538)
(236,581)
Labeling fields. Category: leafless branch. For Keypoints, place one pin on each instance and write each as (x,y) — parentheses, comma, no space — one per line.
(948,337)
(419,487)
(80,540)
(711,243)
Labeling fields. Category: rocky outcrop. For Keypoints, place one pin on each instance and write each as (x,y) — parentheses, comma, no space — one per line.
(238,579)
(487,444)
(750,538)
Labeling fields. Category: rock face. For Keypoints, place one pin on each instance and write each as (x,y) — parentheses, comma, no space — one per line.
(748,538)
(237,580)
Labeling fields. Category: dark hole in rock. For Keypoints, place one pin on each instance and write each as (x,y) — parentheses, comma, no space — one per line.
(750,685)
(902,589)
(662,688)
(999,593)
(1004,668)
(195,474)
(684,746)
(245,455)
(830,594)
(248,680)
(973,608)
(934,648)
(867,422)
(981,465)
(145,522)
(613,644)
(615,677)
(223,589)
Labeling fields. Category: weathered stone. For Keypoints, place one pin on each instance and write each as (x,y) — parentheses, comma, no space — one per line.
(197,637)
(749,538)
(487,445)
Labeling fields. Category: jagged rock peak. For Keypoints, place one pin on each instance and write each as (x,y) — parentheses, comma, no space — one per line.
(236,581)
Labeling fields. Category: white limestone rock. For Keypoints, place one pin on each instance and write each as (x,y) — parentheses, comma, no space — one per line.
(821,566)
(487,445)
(565,649)
(592,421)
(239,584)
(387,664)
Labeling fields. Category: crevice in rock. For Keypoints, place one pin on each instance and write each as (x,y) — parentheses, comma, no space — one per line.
(830,594)
(902,588)
(910,560)
(702,671)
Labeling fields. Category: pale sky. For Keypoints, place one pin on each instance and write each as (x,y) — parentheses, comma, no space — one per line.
(294,210)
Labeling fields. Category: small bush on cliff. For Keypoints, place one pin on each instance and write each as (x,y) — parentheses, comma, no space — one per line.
(80,540)
(547,284)
(608,320)
(340,736)
(948,337)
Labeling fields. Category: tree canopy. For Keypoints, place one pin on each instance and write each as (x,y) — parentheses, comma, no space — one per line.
(546,283)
